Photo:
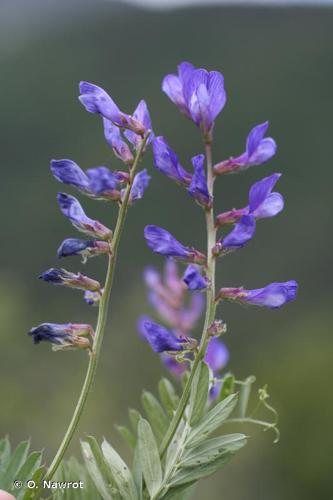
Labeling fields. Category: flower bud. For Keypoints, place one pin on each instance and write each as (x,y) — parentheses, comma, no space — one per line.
(63,335)
(72,280)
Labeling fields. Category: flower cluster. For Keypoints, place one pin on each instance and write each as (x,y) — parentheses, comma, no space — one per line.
(179,308)
(200,96)
(128,136)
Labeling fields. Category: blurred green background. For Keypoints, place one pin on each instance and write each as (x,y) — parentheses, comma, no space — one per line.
(278,66)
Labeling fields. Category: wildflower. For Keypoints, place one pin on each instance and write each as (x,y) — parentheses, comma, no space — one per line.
(98,182)
(120,148)
(272,296)
(198,188)
(163,340)
(141,114)
(193,278)
(167,162)
(161,241)
(259,149)
(72,280)
(242,233)
(72,209)
(198,93)
(160,338)
(140,184)
(262,202)
(96,100)
(85,248)
(65,335)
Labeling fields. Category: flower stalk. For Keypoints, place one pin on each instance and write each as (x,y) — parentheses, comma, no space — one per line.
(102,317)
(210,305)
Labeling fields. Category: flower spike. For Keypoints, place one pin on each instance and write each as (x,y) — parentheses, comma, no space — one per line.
(161,241)
(259,149)
(72,209)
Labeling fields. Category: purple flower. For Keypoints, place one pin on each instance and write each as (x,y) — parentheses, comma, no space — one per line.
(238,237)
(262,202)
(68,172)
(103,183)
(141,114)
(66,335)
(120,148)
(96,100)
(75,246)
(272,296)
(167,162)
(98,182)
(72,280)
(259,149)
(140,184)
(72,209)
(160,338)
(198,93)
(198,188)
(217,355)
(161,241)
(193,278)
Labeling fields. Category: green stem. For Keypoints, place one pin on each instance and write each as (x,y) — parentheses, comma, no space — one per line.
(101,320)
(210,307)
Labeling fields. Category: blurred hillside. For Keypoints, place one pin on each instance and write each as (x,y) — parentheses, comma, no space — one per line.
(278,66)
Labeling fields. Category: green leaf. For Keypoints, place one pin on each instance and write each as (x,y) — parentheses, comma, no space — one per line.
(120,472)
(27,470)
(244,395)
(127,435)
(212,449)
(4,455)
(227,387)
(96,467)
(212,420)
(37,476)
(168,396)
(189,475)
(137,471)
(199,394)
(182,492)
(157,418)
(150,459)
(134,417)
(15,463)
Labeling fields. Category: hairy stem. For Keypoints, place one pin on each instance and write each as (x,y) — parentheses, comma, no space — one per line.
(101,320)
(210,307)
